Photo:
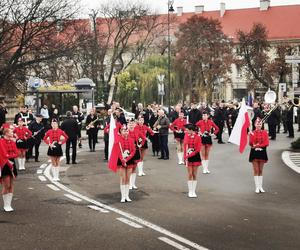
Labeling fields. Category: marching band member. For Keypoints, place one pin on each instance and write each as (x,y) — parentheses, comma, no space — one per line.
(8,170)
(53,138)
(141,130)
(125,162)
(91,129)
(178,128)
(22,133)
(206,126)
(137,157)
(259,141)
(79,117)
(192,148)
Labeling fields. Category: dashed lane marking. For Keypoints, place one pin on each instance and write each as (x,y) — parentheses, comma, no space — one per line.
(98,209)
(172,243)
(125,214)
(43,166)
(53,187)
(39,171)
(72,197)
(130,223)
(42,178)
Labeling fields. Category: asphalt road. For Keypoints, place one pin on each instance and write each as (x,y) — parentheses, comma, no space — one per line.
(226,215)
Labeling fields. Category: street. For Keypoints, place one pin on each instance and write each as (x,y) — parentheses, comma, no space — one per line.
(84,209)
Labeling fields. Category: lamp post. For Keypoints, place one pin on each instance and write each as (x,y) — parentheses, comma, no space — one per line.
(170,10)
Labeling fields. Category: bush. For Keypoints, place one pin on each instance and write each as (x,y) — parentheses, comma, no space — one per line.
(296,144)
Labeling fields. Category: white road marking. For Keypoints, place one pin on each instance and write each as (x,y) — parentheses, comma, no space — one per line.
(39,171)
(53,187)
(130,223)
(72,197)
(43,166)
(172,243)
(125,214)
(42,178)
(287,161)
(98,209)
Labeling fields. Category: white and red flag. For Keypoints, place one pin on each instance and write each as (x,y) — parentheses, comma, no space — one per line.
(239,134)
(113,146)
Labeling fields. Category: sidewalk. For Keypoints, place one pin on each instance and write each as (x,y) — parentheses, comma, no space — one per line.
(292,160)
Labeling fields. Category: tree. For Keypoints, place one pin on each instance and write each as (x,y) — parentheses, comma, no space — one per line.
(121,34)
(204,56)
(30,34)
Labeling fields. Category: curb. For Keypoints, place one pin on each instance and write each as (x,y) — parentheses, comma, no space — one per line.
(292,160)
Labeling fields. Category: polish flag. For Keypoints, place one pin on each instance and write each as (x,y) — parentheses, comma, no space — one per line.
(113,148)
(239,134)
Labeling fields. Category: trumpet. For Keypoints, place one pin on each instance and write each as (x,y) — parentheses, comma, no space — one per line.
(296,102)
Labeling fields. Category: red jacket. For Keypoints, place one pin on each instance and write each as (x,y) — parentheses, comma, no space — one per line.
(106,128)
(259,139)
(53,135)
(206,126)
(133,134)
(23,133)
(8,150)
(191,143)
(178,124)
(141,131)
(127,146)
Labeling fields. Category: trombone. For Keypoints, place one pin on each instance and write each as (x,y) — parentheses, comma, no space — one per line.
(269,98)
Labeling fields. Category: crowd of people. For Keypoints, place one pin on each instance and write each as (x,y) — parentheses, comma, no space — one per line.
(194,126)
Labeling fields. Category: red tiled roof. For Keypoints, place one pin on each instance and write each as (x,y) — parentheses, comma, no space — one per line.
(282,22)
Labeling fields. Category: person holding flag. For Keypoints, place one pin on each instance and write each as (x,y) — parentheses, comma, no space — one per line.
(206,127)
(121,156)
(192,148)
(259,141)
(8,170)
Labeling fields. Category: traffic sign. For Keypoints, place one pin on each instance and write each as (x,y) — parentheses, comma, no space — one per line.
(282,87)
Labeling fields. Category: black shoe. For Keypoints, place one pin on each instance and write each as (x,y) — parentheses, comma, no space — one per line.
(80,145)
(161,158)
(67,162)
(221,142)
(36,160)
(166,158)
(74,162)
(273,139)
(285,132)
(91,150)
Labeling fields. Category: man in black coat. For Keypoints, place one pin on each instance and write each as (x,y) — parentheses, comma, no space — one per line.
(219,119)
(194,114)
(290,119)
(70,126)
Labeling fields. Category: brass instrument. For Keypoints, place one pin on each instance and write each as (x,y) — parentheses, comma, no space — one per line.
(91,124)
(270,98)
(296,102)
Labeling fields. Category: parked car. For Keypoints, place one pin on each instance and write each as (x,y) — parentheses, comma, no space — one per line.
(128,115)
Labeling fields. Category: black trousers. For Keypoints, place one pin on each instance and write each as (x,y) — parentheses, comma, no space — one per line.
(290,128)
(272,130)
(219,135)
(106,147)
(164,149)
(36,147)
(73,142)
(155,143)
(92,135)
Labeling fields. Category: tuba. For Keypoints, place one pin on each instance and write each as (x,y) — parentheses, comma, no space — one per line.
(270,98)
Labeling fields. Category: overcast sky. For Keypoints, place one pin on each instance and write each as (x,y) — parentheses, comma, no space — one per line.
(188,5)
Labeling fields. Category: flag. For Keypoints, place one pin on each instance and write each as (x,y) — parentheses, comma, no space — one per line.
(239,134)
(113,148)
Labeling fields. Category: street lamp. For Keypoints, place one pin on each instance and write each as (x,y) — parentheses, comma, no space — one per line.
(170,10)
(161,87)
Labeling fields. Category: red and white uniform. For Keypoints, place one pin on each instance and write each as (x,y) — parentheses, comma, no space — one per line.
(192,147)
(127,147)
(207,126)
(8,150)
(23,133)
(178,128)
(141,131)
(55,135)
(259,139)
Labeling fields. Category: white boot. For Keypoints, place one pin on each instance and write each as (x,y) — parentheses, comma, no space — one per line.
(256,184)
(194,195)
(7,202)
(142,164)
(132,181)
(181,159)
(260,183)
(122,188)
(139,168)
(207,171)
(127,193)
(20,163)
(190,187)
(23,163)
(204,166)
(55,172)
